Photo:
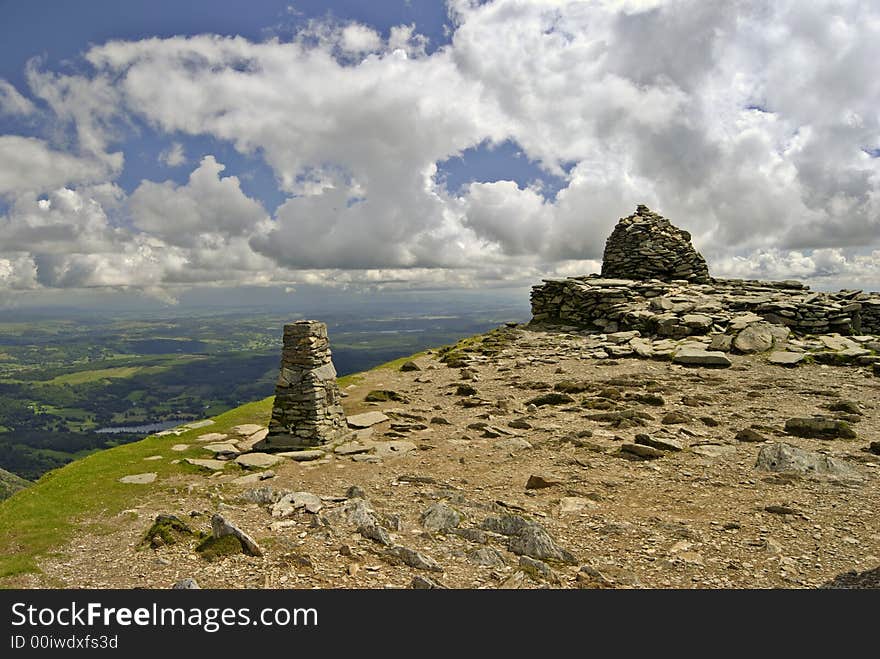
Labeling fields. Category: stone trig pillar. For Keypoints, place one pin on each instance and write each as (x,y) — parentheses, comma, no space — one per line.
(307,410)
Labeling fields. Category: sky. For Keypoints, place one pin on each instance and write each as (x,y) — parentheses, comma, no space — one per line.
(153,149)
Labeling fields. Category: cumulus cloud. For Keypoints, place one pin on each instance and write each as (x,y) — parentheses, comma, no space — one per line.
(753,125)
(31,165)
(208,207)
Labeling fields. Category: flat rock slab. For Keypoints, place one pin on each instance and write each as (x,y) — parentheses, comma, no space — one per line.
(248,429)
(213,465)
(252,479)
(180,447)
(366,419)
(303,456)
(353,448)
(699,357)
(258,460)
(819,428)
(153,457)
(659,442)
(783,358)
(222,449)
(641,450)
(211,437)
(512,444)
(139,479)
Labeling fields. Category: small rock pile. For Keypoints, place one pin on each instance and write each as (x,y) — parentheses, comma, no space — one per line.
(646,245)
(307,410)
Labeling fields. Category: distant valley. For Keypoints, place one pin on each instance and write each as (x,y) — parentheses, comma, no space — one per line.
(71,384)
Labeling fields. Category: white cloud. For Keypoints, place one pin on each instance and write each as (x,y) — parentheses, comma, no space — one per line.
(209,207)
(12,102)
(31,165)
(357,39)
(173,156)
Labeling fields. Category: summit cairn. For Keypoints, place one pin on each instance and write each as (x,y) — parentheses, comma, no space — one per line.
(646,245)
(307,410)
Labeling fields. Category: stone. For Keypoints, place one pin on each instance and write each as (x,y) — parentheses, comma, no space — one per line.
(394,448)
(486,557)
(247,429)
(847,406)
(465,390)
(424,583)
(541,481)
(409,366)
(675,417)
(293,501)
(212,465)
(641,450)
(874,447)
(819,428)
(440,518)
(366,419)
(750,435)
(257,460)
(690,356)
(551,398)
(757,337)
(139,479)
(251,479)
(783,358)
(659,442)
(535,542)
(307,455)
(512,444)
(186,584)
(876,369)
(180,447)
(782,457)
(221,527)
(384,396)
(222,450)
(307,411)
(414,558)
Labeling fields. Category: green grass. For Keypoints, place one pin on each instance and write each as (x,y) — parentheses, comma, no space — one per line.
(42,517)
(82,377)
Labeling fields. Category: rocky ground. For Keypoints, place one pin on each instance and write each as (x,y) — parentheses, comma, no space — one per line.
(528,462)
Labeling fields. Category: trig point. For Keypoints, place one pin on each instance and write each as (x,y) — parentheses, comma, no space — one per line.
(307,411)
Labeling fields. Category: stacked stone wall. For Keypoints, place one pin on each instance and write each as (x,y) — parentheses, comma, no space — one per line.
(307,410)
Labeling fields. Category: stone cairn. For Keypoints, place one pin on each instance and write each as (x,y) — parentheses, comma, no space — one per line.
(646,245)
(307,410)
(673,296)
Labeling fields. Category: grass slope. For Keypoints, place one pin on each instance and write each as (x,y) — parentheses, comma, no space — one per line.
(41,518)
(10,484)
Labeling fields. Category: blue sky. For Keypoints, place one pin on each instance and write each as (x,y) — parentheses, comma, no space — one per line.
(159,147)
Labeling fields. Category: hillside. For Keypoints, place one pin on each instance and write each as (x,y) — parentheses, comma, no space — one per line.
(10,484)
(520,458)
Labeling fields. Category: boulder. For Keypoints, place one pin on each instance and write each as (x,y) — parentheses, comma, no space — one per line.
(690,356)
(757,337)
(782,457)
(819,428)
